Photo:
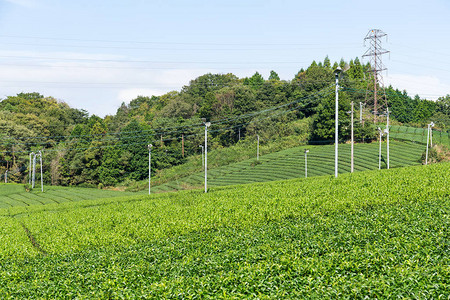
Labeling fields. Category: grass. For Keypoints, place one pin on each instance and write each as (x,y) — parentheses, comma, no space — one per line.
(375,234)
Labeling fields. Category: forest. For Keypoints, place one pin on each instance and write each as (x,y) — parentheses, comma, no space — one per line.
(86,150)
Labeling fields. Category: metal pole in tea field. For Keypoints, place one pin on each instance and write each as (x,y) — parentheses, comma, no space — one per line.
(207,124)
(149,166)
(428,138)
(337,72)
(431,134)
(30,171)
(306,163)
(34,171)
(387,134)
(379,151)
(360,112)
(353,142)
(257,149)
(42,179)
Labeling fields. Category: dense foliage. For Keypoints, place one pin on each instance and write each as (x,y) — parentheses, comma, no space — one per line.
(91,151)
(380,234)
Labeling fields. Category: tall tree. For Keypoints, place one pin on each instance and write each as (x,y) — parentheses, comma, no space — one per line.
(274,76)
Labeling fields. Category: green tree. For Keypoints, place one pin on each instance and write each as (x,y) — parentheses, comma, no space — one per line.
(326,63)
(443,105)
(324,119)
(206,109)
(255,82)
(200,86)
(134,139)
(274,76)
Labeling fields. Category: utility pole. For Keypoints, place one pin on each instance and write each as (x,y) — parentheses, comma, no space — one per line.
(149,166)
(6,176)
(387,134)
(30,170)
(353,141)
(182,144)
(34,171)
(306,163)
(13,156)
(337,72)
(431,135)
(428,138)
(360,112)
(379,151)
(42,178)
(375,53)
(207,124)
(257,149)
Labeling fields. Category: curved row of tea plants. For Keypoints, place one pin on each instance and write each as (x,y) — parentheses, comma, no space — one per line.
(12,195)
(290,163)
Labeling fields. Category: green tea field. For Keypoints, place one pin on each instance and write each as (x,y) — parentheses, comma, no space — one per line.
(16,195)
(290,163)
(374,234)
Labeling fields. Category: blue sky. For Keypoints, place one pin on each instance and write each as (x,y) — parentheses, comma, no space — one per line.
(97,54)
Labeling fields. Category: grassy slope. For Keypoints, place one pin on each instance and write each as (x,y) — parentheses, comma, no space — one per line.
(376,234)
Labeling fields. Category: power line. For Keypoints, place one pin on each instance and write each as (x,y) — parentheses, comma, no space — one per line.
(214,122)
(166,139)
(148,61)
(419,65)
(154,68)
(171,43)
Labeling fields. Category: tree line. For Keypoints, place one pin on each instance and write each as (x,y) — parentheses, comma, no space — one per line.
(83,149)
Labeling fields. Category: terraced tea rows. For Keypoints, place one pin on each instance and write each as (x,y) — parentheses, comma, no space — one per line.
(15,195)
(418,135)
(290,163)
(377,234)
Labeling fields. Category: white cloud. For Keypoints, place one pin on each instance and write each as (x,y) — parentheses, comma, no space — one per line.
(427,87)
(100,82)
(96,82)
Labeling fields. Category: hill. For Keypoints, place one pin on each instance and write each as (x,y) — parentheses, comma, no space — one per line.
(290,163)
(375,234)
(89,151)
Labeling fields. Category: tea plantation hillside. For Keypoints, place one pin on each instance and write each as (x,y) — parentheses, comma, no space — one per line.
(16,195)
(419,135)
(374,234)
(290,163)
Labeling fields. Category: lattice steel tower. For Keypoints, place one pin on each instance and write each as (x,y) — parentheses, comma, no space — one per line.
(375,52)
